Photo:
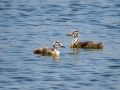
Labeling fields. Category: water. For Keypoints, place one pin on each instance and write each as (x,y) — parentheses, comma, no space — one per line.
(28,24)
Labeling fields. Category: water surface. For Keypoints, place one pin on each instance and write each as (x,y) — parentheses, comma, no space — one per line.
(28,24)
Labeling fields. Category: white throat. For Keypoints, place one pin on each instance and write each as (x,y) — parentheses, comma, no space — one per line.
(56,51)
(75,41)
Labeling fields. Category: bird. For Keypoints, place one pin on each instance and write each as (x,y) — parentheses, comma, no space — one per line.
(86,44)
(51,51)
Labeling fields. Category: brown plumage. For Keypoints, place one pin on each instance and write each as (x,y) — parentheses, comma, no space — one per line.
(86,44)
(43,50)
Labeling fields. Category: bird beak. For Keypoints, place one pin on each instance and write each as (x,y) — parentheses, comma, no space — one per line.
(70,34)
(62,47)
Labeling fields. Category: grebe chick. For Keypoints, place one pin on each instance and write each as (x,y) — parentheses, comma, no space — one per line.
(47,50)
(87,44)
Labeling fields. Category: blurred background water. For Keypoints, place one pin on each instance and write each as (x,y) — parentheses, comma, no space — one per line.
(28,24)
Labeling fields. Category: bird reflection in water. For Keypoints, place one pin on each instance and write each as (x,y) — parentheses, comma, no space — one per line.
(75,53)
(55,57)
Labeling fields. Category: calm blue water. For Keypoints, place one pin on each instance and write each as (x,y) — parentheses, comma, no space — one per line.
(28,24)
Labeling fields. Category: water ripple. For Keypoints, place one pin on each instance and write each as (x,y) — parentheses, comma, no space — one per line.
(28,24)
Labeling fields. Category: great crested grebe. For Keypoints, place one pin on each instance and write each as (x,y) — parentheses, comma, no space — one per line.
(87,44)
(47,50)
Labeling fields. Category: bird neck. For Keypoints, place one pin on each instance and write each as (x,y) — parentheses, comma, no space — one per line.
(54,49)
(75,41)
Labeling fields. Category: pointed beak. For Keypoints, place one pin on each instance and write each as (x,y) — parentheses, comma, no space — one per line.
(70,34)
(67,34)
(62,47)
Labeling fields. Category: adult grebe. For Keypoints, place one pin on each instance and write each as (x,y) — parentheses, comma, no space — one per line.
(87,44)
(48,50)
